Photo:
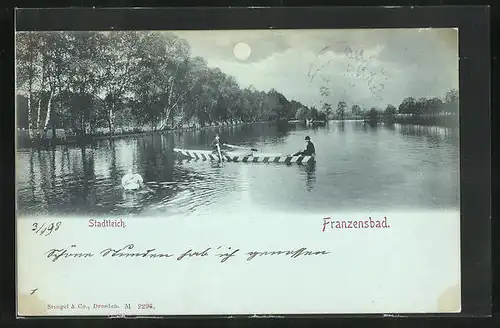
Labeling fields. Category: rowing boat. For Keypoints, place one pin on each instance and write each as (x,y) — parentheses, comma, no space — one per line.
(208,155)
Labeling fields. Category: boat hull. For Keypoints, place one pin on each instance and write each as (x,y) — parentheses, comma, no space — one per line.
(207,155)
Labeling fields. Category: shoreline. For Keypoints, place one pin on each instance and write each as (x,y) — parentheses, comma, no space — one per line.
(23,142)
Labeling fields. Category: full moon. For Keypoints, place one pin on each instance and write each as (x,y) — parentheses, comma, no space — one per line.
(242,51)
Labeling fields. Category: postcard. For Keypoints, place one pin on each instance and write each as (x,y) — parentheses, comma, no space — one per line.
(237,172)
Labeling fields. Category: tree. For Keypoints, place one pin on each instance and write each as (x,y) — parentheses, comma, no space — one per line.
(120,64)
(390,113)
(322,116)
(408,106)
(327,109)
(313,113)
(161,93)
(279,104)
(53,68)
(433,106)
(86,77)
(356,110)
(302,113)
(28,70)
(341,108)
(373,116)
(451,102)
(421,106)
(294,107)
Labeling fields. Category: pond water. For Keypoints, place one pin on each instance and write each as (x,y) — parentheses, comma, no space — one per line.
(358,167)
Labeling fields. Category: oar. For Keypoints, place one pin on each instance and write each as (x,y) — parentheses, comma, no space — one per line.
(239,147)
(220,154)
(293,154)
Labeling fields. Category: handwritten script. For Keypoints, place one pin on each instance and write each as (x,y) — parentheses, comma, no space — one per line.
(223,254)
(45,229)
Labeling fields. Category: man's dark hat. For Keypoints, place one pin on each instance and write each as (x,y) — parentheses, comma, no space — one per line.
(307,138)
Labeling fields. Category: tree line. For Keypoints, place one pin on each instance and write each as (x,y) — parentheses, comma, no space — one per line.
(86,81)
(431,109)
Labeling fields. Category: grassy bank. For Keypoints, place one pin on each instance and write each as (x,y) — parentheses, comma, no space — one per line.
(61,137)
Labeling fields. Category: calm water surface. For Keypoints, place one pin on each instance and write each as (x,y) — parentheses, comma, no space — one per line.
(358,168)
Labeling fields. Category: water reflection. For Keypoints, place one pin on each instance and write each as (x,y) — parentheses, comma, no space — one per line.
(385,165)
(310,175)
(432,134)
(390,127)
(341,126)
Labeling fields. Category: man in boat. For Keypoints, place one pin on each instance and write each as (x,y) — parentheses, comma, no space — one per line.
(309,151)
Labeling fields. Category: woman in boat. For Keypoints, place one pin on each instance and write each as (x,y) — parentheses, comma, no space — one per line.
(309,151)
(218,141)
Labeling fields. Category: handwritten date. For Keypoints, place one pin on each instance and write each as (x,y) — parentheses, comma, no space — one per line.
(45,228)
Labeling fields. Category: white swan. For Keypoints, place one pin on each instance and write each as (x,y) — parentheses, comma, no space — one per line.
(132,181)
